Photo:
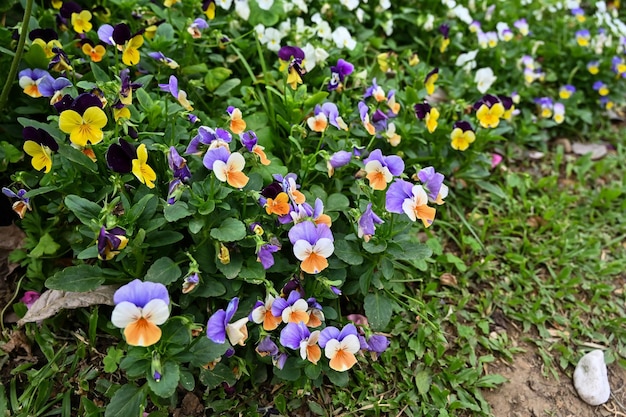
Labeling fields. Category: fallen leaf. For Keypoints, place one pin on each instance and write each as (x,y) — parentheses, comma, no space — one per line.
(535,155)
(12,237)
(53,301)
(448,279)
(17,339)
(565,143)
(597,150)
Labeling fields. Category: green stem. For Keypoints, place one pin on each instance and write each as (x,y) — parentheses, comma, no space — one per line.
(18,55)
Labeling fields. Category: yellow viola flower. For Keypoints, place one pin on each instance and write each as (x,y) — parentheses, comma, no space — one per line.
(431,119)
(144,173)
(85,128)
(39,145)
(462,135)
(94,52)
(47,46)
(130,54)
(82,21)
(489,116)
(429,81)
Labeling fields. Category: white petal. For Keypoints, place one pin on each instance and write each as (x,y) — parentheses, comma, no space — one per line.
(351,344)
(373,166)
(419,195)
(219,168)
(302,249)
(234,331)
(331,348)
(408,207)
(236,162)
(258,314)
(124,314)
(303,346)
(324,247)
(156,311)
(300,305)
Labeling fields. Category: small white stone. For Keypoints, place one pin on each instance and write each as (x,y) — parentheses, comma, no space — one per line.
(591,380)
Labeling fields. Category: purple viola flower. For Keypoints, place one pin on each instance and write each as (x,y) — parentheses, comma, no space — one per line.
(338,73)
(120,156)
(367,223)
(206,136)
(279,361)
(312,244)
(69,7)
(160,56)
(22,204)
(249,140)
(174,191)
(196,28)
(297,336)
(110,242)
(29,298)
(444,29)
(264,255)
(45,35)
(267,347)
(287,53)
(41,137)
(178,165)
(216,154)
(332,115)
(412,200)
(381,169)
(105,34)
(180,95)
(60,61)
(377,343)
(126,91)
(422,109)
(219,326)
(432,180)
(337,160)
(340,346)
(50,87)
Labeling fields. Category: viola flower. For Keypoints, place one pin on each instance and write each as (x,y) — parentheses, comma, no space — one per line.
(340,346)
(424,111)
(262,313)
(381,169)
(318,215)
(367,223)
(289,185)
(219,326)
(278,205)
(237,124)
(393,105)
(124,40)
(484,79)
(178,165)
(190,282)
(297,336)
(343,39)
(249,140)
(338,73)
(94,52)
(111,242)
(84,124)
(377,344)
(445,39)
(582,37)
(412,200)
(522,26)
(618,66)
(46,39)
(29,298)
(504,32)
(196,28)
(433,181)
(332,115)
(264,255)
(140,168)
(22,204)
(492,39)
(601,88)
(509,107)
(180,95)
(208,7)
(475,27)
(210,137)
(337,160)
(318,122)
(227,166)
(127,87)
(60,61)
(315,311)
(566,91)
(607,103)
(291,310)
(429,81)
(292,57)
(140,307)
(39,145)
(545,105)
(159,56)
(462,135)
(579,14)
(489,110)
(593,67)
(365,118)
(29,80)
(82,21)
(559,113)
(312,245)
(375,91)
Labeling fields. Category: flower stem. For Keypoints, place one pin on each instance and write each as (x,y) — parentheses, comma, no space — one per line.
(18,55)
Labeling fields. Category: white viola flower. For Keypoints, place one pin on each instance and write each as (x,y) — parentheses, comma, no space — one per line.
(343,39)
(360,14)
(385,4)
(463,14)
(300,4)
(265,4)
(429,24)
(323,30)
(484,78)
(242,8)
(467,60)
(449,3)
(388,27)
(313,56)
(272,38)
(284,28)
(350,4)
(260,33)
(288,6)
(224,4)
(316,18)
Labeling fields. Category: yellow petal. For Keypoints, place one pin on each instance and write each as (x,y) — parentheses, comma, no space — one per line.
(69,120)
(94,116)
(41,155)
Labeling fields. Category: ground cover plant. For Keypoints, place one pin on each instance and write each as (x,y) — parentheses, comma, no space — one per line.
(290,207)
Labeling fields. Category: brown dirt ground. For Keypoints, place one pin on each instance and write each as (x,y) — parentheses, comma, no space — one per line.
(529,393)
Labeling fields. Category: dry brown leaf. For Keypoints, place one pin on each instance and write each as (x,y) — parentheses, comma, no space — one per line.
(53,301)
(448,279)
(17,339)
(597,150)
(12,237)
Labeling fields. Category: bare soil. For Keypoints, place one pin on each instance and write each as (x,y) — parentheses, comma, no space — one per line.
(529,393)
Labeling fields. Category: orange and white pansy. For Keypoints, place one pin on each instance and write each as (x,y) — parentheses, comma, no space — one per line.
(29,80)
(262,314)
(291,310)
(237,124)
(312,244)
(317,123)
(340,346)
(297,336)
(227,166)
(140,307)
(380,169)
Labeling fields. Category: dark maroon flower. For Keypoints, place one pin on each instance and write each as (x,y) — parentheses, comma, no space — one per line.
(68,8)
(41,137)
(46,35)
(422,109)
(120,157)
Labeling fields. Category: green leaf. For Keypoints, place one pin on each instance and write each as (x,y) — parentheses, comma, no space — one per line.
(80,278)
(252,271)
(348,252)
(176,211)
(147,204)
(85,210)
(231,270)
(175,332)
(112,359)
(195,225)
(88,253)
(423,381)
(409,251)
(337,202)
(316,98)
(230,230)
(170,376)
(312,371)
(339,379)
(187,380)
(36,57)
(226,86)
(214,378)
(4,404)
(215,77)
(78,157)
(164,271)
(205,351)
(127,401)
(290,371)
(378,310)
(316,409)
(46,246)
(491,381)
(98,74)
(375,246)
(163,238)
(493,189)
